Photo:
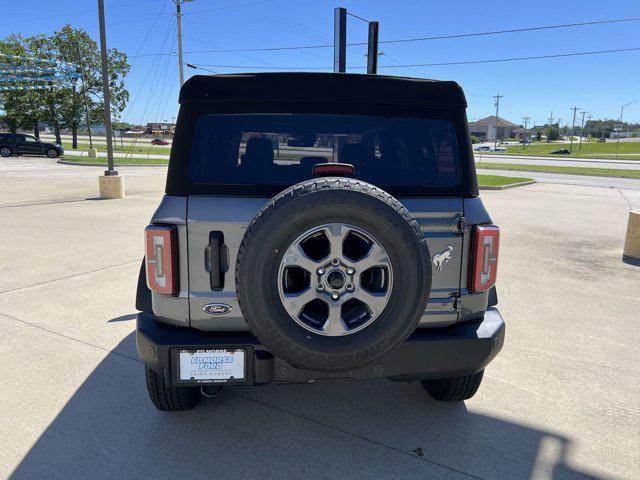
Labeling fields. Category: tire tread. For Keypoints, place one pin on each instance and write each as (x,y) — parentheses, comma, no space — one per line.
(170,399)
(454,389)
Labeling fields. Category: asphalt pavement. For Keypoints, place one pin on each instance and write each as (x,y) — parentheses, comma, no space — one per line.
(561,401)
(559,161)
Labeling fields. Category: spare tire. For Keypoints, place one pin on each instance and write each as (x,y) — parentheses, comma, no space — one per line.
(332,274)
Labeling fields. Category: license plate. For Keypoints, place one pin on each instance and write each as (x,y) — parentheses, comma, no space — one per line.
(211,366)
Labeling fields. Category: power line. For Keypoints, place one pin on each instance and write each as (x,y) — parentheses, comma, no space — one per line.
(518,59)
(465,62)
(514,30)
(422,39)
(228,7)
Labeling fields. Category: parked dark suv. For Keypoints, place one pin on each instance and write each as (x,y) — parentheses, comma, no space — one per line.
(358,248)
(21,144)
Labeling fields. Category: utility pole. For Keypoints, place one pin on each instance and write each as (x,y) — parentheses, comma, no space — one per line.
(179,30)
(495,140)
(573,126)
(340,40)
(111,184)
(581,130)
(524,139)
(551,119)
(587,124)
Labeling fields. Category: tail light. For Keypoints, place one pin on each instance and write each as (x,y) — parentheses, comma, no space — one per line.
(334,169)
(161,259)
(485,257)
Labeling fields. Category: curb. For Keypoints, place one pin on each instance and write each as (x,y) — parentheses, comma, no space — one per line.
(504,187)
(81,164)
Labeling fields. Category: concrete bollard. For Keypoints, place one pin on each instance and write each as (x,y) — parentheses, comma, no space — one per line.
(92,152)
(112,186)
(631,253)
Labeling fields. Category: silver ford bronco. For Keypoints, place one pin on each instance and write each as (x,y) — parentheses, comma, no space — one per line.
(318,226)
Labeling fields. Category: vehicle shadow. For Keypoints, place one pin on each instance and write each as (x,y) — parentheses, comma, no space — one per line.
(380,429)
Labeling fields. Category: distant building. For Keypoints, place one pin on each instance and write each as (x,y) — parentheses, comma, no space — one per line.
(624,134)
(162,128)
(490,129)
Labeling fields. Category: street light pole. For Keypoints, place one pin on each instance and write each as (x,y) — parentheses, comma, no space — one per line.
(620,122)
(111,184)
(495,140)
(524,139)
(105,89)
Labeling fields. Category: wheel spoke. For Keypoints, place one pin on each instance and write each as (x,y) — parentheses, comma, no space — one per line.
(377,256)
(374,301)
(334,325)
(295,302)
(336,233)
(295,257)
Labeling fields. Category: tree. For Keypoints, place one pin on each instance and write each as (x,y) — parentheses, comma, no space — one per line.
(82,97)
(553,133)
(23,108)
(70,102)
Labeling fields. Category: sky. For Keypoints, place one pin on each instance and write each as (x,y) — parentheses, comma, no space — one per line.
(146,31)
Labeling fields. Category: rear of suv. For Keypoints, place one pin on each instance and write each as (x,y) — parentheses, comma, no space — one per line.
(318,226)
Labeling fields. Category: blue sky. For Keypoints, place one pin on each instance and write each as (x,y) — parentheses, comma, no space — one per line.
(598,84)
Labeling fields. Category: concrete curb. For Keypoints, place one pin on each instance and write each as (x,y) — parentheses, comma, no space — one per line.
(504,187)
(81,164)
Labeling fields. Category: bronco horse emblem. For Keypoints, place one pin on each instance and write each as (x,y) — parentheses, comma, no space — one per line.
(439,259)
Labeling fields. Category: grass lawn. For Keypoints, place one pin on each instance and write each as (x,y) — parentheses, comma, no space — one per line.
(117,160)
(591,149)
(141,148)
(597,172)
(498,180)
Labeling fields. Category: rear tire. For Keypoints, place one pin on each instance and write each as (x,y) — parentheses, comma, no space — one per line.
(170,399)
(453,389)
(6,151)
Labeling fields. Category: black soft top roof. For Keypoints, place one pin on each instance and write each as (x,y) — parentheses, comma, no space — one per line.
(321,87)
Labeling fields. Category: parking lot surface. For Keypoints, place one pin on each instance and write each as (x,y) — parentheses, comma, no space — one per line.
(562,400)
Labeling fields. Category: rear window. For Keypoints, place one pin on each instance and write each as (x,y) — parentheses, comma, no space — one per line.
(281,149)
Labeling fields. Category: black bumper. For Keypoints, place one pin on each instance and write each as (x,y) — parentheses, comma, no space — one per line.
(462,349)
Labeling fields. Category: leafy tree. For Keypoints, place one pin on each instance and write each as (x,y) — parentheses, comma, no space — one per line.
(70,102)
(23,108)
(553,133)
(474,139)
(82,96)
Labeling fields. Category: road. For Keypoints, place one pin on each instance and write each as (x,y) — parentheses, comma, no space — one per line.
(559,161)
(561,401)
(630,186)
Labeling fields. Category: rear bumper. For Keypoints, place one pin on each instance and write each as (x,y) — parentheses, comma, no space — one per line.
(462,349)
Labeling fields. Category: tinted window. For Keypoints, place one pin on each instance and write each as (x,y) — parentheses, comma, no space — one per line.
(282,149)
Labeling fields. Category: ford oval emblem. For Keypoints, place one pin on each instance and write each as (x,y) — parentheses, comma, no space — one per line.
(217,308)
